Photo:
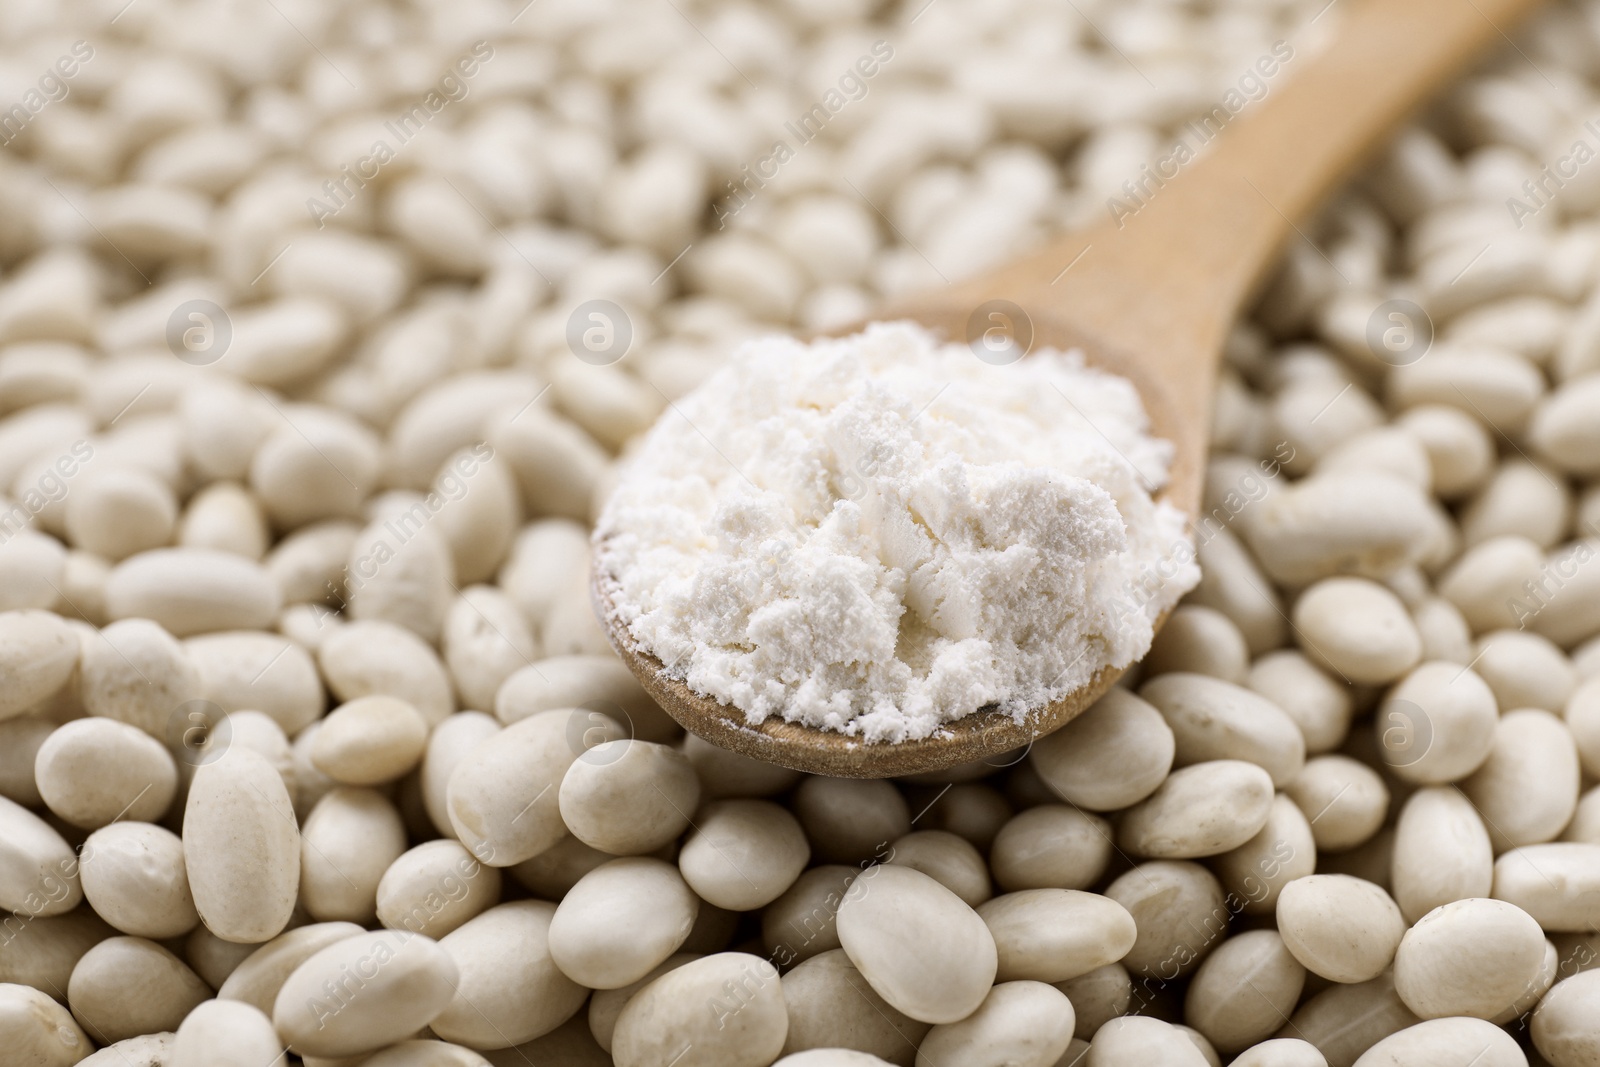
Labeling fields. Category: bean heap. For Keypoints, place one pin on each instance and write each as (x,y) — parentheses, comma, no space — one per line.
(321,328)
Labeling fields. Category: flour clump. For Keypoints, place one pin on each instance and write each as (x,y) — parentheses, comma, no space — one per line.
(880,534)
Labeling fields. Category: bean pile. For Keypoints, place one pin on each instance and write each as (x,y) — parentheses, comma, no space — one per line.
(321,327)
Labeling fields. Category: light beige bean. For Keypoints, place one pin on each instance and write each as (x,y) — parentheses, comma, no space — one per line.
(308,564)
(1314,917)
(478,525)
(450,740)
(485,640)
(1342,522)
(1522,498)
(1357,629)
(1557,883)
(1343,1021)
(1281,1052)
(1446,1043)
(1212,719)
(1098,997)
(259,672)
(831,1057)
(1527,790)
(315,463)
(137,673)
(400,569)
(1460,451)
(1137,1039)
(502,795)
(134,878)
(241,847)
(830,1003)
(1344,799)
(629,797)
(916,943)
(510,989)
(1255,873)
(37,1031)
(1054,935)
(425,1054)
(600,683)
(38,869)
(745,1026)
(128,986)
(258,978)
(1203,810)
(91,771)
(1051,846)
(1179,911)
(1444,631)
(20,741)
(364,992)
(1564,1028)
(38,653)
(1437,725)
(42,951)
(1110,757)
(743,854)
(973,811)
(1019,1024)
(225,1033)
(1317,703)
(848,820)
(434,888)
(225,517)
(1489,578)
(350,839)
(1524,670)
(1244,990)
(620,921)
(1469,957)
(1441,852)
(370,740)
(553,872)
(372,657)
(951,861)
(1200,640)
(193,590)
(1232,582)
(118,511)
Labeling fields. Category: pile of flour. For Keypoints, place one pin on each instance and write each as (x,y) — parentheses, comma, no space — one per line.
(880,534)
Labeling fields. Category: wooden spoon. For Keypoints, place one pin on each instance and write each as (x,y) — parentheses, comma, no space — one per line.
(1152,299)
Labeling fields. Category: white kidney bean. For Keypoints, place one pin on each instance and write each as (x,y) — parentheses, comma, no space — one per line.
(742,854)
(1054,935)
(597,682)
(225,1033)
(745,1025)
(259,672)
(370,740)
(127,986)
(1281,1052)
(136,672)
(1212,719)
(1437,725)
(1019,1024)
(1469,957)
(1112,756)
(510,989)
(133,877)
(434,888)
(1357,629)
(1202,640)
(502,795)
(1179,912)
(1201,810)
(1138,1039)
(349,840)
(241,847)
(38,869)
(620,921)
(1527,790)
(92,771)
(1558,883)
(364,992)
(193,590)
(1344,800)
(1244,990)
(1256,872)
(955,960)
(38,654)
(1445,1041)
(629,797)
(1051,846)
(37,1030)
(1563,1027)
(373,657)
(1314,916)
(1319,705)
(1442,852)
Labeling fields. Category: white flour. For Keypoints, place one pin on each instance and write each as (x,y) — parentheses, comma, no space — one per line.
(878,534)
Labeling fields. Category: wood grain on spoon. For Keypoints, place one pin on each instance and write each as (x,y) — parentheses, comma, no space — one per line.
(1152,299)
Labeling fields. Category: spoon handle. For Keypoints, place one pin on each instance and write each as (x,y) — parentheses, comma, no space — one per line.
(1158,287)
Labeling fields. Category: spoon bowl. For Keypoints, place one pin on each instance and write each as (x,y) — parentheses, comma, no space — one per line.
(1149,295)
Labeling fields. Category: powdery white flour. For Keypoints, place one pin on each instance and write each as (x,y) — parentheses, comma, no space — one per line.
(879,534)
